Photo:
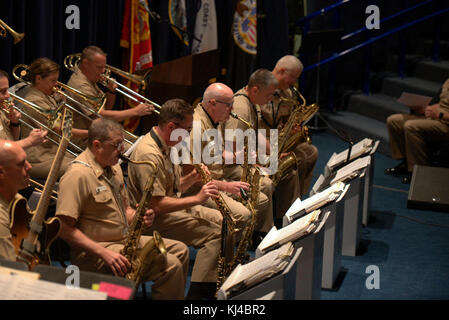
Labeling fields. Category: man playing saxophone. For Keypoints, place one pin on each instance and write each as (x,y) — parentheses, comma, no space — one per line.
(95,213)
(287,71)
(180,218)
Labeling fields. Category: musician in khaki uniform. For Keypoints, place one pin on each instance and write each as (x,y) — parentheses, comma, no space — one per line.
(95,214)
(287,71)
(247,101)
(14,175)
(85,78)
(43,75)
(211,114)
(409,134)
(183,219)
(9,119)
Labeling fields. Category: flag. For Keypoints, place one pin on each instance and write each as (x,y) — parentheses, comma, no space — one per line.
(136,37)
(205,35)
(243,48)
(178,17)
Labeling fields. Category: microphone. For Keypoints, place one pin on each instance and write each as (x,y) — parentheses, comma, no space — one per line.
(156,17)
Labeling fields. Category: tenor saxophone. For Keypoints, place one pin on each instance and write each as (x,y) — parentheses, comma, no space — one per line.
(141,259)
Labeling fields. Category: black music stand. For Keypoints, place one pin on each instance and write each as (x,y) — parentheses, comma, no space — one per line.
(317,42)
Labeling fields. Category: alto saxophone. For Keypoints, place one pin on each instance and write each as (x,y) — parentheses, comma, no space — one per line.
(141,259)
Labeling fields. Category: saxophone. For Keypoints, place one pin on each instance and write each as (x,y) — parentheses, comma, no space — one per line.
(141,259)
(288,141)
(247,175)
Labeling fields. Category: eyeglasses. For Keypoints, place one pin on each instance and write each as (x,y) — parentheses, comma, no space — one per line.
(117,145)
(228,104)
(182,127)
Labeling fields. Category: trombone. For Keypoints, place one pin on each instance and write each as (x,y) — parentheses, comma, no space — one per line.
(4,28)
(72,61)
(37,108)
(93,104)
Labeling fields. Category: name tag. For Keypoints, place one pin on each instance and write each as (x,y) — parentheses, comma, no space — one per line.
(100,189)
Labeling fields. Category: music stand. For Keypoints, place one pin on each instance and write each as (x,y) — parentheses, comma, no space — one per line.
(316,42)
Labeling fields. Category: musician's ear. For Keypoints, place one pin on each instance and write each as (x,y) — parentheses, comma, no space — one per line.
(96,144)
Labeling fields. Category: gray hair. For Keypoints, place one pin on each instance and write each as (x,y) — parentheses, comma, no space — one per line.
(262,78)
(101,130)
(289,62)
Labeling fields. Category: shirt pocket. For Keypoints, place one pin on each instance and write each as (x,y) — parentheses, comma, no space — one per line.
(103,197)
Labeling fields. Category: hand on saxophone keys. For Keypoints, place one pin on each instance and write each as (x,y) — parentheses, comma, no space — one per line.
(118,264)
(209,190)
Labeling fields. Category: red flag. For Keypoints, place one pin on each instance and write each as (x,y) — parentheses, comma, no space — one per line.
(136,37)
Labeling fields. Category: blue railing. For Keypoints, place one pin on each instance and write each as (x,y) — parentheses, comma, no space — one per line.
(305,21)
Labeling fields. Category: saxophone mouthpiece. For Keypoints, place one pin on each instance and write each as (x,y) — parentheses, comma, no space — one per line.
(234,115)
(123,157)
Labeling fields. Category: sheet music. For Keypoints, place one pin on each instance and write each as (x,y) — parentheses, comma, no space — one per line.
(291,232)
(22,273)
(414,100)
(14,287)
(316,201)
(257,270)
(357,150)
(350,169)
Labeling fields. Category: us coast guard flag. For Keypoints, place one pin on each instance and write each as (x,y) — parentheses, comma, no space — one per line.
(205,28)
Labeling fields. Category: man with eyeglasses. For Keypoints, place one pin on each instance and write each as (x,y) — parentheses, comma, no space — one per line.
(274,114)
(181,218)
(94,208)
(211,114)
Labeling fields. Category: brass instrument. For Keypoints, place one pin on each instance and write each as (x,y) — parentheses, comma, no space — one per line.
(4,28)
(288,141)
(91,104)
(71,62)
(50,123)
(141,259)
(40,188)
(247,175)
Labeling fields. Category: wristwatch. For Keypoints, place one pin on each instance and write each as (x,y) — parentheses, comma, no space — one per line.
(14,124)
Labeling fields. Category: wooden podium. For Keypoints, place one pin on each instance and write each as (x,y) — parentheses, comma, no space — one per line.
(184,78)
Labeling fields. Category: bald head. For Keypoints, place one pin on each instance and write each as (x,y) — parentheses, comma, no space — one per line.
(218,91)
(9,151)
(217,100)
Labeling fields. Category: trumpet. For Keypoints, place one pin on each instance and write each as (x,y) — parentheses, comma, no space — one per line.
(71,62)
(4,28)
(31,105)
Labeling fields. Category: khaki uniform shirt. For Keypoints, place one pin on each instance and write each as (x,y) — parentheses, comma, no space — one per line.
(7,250)
(80,82)
(45,152)
(96,202)
(5,130)
(275,113)
(200,115)
(444,98)
(166,182)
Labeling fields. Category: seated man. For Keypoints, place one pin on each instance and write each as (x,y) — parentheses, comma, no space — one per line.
(14,175)
(184,219)
(95,213)
(410,133)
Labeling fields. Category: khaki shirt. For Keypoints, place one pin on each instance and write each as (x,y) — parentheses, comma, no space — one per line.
(166,182)
(7,250)
(244,109)
(275,113)
(200,115)
(96,202)
(80,82)
(5,130)
(44,152)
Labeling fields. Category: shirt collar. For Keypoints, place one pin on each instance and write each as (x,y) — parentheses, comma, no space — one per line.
(97,168)
(215,124)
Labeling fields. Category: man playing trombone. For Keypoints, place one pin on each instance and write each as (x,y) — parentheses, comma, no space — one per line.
(10,119)
(85,78)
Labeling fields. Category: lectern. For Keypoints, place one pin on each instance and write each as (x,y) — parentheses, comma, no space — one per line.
(186,78)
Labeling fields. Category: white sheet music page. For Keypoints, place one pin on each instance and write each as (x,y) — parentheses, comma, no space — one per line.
(259,269)
(351,168)
(291,232)
(357,150)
